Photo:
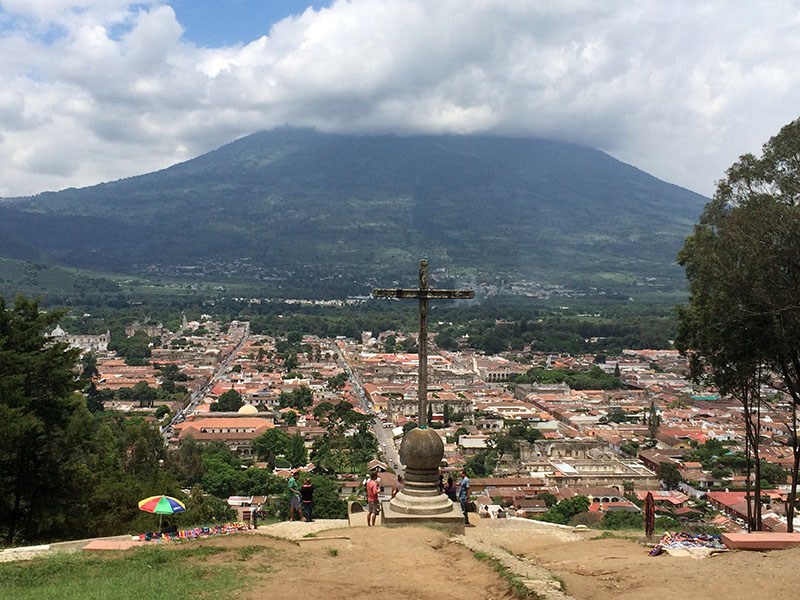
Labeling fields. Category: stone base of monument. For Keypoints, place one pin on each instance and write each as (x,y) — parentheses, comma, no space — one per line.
(420,502)
(451,521)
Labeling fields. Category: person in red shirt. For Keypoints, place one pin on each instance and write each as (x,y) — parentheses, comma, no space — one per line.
(373,503)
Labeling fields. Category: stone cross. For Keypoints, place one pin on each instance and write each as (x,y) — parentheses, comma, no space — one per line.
(423,293)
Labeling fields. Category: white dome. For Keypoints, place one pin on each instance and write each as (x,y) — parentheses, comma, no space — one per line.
(248,409)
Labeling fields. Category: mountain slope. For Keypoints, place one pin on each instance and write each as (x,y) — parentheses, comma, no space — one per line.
(290,198)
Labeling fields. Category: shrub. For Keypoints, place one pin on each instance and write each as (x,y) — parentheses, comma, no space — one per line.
(590,519)
(622,519)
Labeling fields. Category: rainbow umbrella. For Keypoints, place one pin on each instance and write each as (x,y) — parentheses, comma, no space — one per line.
(161,505)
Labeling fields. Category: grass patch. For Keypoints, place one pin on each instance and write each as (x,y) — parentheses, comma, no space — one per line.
(146,573)
(264,569)
(310,534)
(518,589)
(607,535)
(333,552)
(512,553)
(246,552)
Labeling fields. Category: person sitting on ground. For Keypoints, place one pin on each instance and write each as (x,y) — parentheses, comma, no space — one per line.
(167,528)
(398,486)
(451,489)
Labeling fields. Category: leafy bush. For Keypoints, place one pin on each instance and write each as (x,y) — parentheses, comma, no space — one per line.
(566,509)
(622,519)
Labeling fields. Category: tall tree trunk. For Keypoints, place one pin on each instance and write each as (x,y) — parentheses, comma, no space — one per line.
(795,468)
(748,483)
(16,512)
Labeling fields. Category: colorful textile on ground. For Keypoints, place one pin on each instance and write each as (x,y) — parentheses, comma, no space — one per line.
(687,541)
(191,534)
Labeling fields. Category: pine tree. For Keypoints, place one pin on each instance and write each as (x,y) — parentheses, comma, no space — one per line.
(44,427)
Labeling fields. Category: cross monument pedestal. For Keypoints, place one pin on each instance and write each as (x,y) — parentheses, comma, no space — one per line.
(421,450)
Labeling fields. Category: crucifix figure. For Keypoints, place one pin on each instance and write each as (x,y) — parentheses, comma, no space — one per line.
(423,293)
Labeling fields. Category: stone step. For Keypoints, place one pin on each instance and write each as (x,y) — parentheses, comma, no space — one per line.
(760,540)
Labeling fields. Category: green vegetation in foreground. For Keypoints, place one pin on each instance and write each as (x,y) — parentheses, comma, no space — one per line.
(518,589)
(146,573)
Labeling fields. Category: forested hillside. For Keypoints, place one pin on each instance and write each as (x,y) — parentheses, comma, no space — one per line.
(287,201)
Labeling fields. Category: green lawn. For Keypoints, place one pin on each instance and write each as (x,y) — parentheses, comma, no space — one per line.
(151,573)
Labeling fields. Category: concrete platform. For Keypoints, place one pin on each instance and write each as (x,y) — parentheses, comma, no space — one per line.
(106,545)
(452,522)
(760,540)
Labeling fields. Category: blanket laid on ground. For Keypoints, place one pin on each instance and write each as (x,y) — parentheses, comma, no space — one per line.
(686,544)
(197,532)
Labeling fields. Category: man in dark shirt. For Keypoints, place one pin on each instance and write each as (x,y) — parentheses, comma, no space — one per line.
(307,496)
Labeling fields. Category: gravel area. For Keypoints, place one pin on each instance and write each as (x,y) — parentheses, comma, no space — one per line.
(295,530)
(27,553)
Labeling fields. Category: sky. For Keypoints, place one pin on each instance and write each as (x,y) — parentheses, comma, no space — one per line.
(97,90)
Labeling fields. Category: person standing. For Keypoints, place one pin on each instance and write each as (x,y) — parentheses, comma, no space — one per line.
(294,497)
(373,503)
(463,494)
(307,496)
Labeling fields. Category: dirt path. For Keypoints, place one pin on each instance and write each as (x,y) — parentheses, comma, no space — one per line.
(362,563)
(328,559)
(620,569)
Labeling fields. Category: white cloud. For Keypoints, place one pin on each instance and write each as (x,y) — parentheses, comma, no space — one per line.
(100,89)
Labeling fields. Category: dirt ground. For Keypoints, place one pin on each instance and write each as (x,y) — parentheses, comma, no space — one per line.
(413,563)
(421,563)
(621,569)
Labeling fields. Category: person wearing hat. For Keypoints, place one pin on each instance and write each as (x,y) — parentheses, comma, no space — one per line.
(294,498)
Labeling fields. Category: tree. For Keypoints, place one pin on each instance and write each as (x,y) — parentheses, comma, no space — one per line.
(622,519)
(669,474)
(482,464)
(44,427)
(616,414)
(290,418)
(549,499)
(742,323)
(565,510)
(299,398)
(88,366)
(322,409)
(143,394)
(269,445)
(296,452)
(187,462)
(230,401)
(653,423)
(337,381)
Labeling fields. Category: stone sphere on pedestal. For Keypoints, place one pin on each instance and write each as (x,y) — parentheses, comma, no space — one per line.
(422,448)
(421,452)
